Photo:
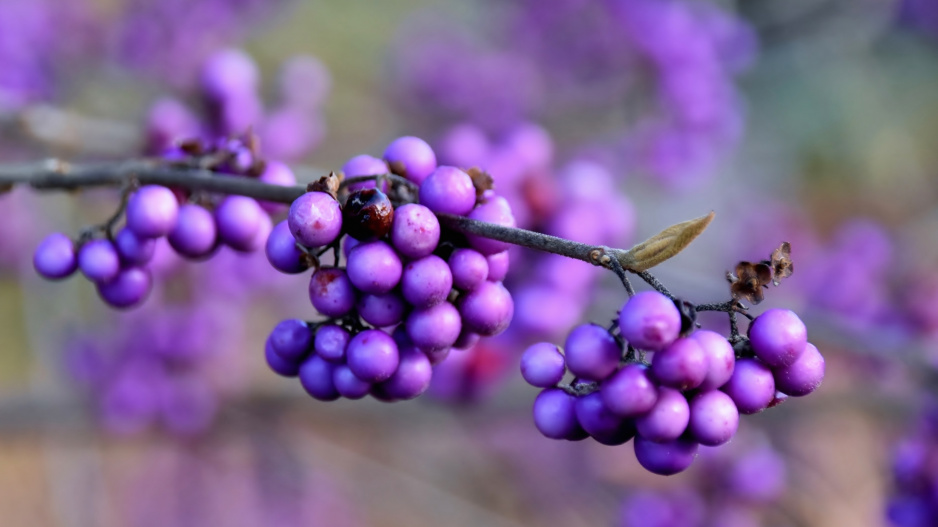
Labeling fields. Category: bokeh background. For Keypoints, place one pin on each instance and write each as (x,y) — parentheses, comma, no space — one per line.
(808,121)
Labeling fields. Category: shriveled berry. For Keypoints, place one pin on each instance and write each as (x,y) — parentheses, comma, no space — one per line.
(367,214)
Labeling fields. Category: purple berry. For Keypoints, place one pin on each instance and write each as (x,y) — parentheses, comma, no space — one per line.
(604,426)
(132,249)
(448,190)
(665,458)
(466,340)
(415,231)
(751,387)
(347,384)
(315,219)
(98,260)
(195,234)
(542,365)
(282,252)
(495,210)
(316,377)
(331,292)
(667,419)
(364,165)
(591,352)
(714,418)
(426,282)
(778,337)
(374,267)
(276,173)
(498,266)
(488,309)
(649,321)
(381,310)
(55,257)
(682,365)
(721,359)
(412,377)
(555,415)
(630,392)
(469,268)
(239,220)
(229,73)
(152,211)
(291,339)
(278,364)
(330,342)
(802,376)
(367,214)
(129,288)
(410,157)
(372,355)
(434,328)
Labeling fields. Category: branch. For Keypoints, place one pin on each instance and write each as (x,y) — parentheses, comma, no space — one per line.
(57,175)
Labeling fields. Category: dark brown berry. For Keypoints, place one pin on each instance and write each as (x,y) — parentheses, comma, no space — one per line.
(367,214)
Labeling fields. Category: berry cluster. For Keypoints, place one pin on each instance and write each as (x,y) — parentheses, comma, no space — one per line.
(692,391)
(438,289)
(194,225)
(914,474)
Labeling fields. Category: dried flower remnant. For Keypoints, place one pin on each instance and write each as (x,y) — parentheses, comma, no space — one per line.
(781,263)
(748,281)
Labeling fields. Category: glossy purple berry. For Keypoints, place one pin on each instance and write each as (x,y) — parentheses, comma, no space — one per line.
(426,282)
(412,377)
(488,309)
(415,231)
(278,364)
(410,157)
(714,418)
(129,288)
(591,352)
(98,260)
(630,392)
(434,328)
(282,252)
(448,190)
(315,219)
(316,378)
(195,234)
(682,365)
(291,339)
(132,249)
(330,342)
(667,419)
(367,214)
(372,355)
(601,424)
(364,165)
(469,268)
(239,222)
(665,458)
(381,310)
(498,266)
(802,376)
(331,292)
(347,384)
(649,321)
(721,359)
(55,257)
(152,211)
(778,337)
(374,267)
(542,365)
(751,387)
(555,415)
(495,210)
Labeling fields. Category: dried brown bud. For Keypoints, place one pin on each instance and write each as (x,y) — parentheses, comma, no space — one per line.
(781,263)
(749,280)
(192,146)
(481,180)
(329,184)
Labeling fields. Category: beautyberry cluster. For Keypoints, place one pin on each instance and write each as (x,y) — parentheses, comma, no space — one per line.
(914,474)
(691,392)
(408,292)
(194,225)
